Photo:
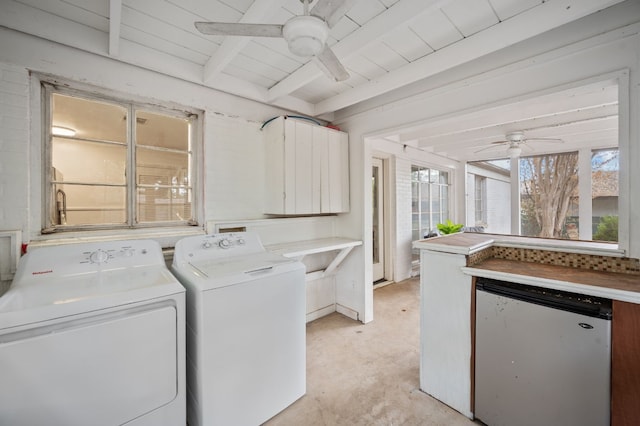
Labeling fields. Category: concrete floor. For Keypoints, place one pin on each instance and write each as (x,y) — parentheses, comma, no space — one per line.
(368,374)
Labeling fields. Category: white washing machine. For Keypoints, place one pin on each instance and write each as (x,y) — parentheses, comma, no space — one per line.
(93,334)
(246,341)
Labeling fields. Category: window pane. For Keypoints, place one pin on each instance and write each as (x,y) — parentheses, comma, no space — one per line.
(162,131)
(89,205)
(162,168)
(164,204)
(89,119)
(604,194)
(549,184)
(82,161)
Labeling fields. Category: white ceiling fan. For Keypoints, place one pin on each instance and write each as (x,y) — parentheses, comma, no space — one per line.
(515,141)
(306,34)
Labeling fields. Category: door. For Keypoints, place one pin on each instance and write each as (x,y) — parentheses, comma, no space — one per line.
(377,186)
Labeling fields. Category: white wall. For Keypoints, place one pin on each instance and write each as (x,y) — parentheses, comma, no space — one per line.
(498,200)
(232,148)
(498,206)
(604,45)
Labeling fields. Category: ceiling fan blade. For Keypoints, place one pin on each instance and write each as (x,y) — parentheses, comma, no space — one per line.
(330,65)
(494,145)
(545,140)
(331,11)
(239,29)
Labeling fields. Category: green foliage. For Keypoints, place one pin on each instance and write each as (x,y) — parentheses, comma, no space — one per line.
(607,229)
(449,227)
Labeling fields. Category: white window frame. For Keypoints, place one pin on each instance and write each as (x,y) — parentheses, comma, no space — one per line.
(480,200)
(449,185)
(48,86)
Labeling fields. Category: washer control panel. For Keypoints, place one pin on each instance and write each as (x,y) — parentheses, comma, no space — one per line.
(223,241)
(217,246)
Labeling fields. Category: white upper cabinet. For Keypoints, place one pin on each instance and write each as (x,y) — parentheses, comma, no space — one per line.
(307,170)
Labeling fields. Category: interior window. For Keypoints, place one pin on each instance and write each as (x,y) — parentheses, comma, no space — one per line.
(430,201)
(114,163)
(550,202)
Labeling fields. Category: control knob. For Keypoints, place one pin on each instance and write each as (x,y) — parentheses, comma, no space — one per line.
(224,243)
(99,256)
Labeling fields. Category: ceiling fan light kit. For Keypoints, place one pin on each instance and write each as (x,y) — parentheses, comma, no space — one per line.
(305,35)
(514,151)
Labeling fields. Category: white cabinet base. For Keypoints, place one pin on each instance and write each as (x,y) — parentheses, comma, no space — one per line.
(445,329)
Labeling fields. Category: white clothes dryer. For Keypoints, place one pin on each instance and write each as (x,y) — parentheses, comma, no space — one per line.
(246,331)
(93,334)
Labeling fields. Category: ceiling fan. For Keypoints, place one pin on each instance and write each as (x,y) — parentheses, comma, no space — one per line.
(515,141)
(306,34)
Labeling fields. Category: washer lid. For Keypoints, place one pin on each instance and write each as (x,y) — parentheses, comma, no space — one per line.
(34,301)
(217,273)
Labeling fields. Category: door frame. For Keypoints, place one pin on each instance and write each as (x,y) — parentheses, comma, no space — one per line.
(387,220)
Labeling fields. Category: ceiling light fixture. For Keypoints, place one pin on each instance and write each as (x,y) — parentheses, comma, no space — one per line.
(514,151)
(305,35)
(62,131)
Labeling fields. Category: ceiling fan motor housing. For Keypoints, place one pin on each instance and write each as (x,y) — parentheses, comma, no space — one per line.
(305,35)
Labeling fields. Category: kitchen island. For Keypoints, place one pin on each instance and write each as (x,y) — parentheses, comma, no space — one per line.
(449,265)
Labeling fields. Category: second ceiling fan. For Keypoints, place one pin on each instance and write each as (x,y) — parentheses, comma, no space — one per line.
(306,35)
(515,141)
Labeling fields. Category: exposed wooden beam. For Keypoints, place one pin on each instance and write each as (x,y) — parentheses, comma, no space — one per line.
(231,46)
(401,12)
(589,121)
(596,98)
(535,21)
(115,17)
(28,20)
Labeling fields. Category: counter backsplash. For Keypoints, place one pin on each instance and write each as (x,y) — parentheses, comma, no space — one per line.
(623,265)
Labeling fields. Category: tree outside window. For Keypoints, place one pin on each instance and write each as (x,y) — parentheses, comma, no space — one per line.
(550,201)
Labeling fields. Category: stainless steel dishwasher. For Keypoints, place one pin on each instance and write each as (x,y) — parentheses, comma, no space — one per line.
(542,356)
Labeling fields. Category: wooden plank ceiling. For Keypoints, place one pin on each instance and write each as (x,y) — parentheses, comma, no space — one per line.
(384,44)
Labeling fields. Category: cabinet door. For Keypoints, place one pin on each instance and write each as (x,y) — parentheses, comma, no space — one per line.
(299,142)
(625,364)
(336,168)
(276,168)
(307,169)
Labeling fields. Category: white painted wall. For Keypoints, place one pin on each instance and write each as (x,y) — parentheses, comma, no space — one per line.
(604,45)
(498,202)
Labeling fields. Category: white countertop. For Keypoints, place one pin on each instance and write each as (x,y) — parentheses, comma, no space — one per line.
(303,248)
(468,243)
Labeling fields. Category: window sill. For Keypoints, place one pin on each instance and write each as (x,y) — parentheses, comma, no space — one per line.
(167,237)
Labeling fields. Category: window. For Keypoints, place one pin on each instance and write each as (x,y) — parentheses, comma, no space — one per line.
(604,194)
(480,200)
(557,196)
(430,200)
(116,164)
(549,188)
